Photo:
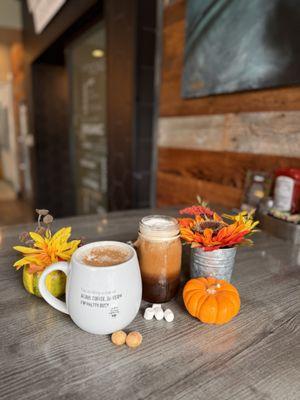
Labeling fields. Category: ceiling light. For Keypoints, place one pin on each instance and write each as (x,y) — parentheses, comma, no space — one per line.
(97,53)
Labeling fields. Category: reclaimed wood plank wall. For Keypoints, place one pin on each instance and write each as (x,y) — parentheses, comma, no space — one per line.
(206,145)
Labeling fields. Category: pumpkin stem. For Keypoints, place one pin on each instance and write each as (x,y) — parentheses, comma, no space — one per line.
(213,289)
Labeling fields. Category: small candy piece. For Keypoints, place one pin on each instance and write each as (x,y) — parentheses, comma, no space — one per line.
(156,305)
(149,313)
(118,338)
(134,339)
(158,313)
(169,315)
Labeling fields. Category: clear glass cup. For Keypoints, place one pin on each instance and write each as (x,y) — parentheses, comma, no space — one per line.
(159,251)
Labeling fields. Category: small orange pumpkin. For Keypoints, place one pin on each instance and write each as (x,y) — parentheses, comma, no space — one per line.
(211,300)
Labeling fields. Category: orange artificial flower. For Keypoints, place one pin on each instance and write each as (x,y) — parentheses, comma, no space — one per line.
(210,232)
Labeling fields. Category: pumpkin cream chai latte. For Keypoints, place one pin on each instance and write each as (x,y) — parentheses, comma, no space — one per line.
(159,252)
(105,256)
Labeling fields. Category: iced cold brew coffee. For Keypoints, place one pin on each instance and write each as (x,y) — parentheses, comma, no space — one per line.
(159,252)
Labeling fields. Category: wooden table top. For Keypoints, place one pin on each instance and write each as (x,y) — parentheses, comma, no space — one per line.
(255,356)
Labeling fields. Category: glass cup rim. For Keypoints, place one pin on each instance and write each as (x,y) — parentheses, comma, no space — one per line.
(171,229)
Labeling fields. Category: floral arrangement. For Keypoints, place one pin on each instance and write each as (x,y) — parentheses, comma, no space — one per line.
(208,230)
(43,247)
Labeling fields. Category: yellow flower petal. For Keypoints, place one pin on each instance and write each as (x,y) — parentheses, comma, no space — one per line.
(26,250)
(21,263)
(63,233)
(36,237)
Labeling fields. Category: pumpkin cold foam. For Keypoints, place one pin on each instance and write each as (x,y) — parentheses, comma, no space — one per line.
(159,252)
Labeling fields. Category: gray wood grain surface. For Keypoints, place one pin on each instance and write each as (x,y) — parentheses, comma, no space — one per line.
(44,355)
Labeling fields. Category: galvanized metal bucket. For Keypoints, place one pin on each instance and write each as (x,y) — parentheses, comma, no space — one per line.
(217,263)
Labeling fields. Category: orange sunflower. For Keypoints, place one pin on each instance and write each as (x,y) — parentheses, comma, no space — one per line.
(210,232)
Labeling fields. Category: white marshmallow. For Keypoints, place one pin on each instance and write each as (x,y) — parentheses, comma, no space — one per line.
(156,305)
(169,315)
(158,313)
(149,313)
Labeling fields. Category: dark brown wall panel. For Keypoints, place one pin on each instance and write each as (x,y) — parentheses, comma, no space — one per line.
(120,19)
(54,188)
(217,176)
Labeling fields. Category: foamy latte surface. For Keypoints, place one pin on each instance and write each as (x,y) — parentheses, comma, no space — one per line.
(105,256)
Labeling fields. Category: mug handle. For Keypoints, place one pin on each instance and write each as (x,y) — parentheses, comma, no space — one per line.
(50,299)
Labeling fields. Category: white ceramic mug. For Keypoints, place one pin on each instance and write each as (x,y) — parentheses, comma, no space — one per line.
(99,300)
